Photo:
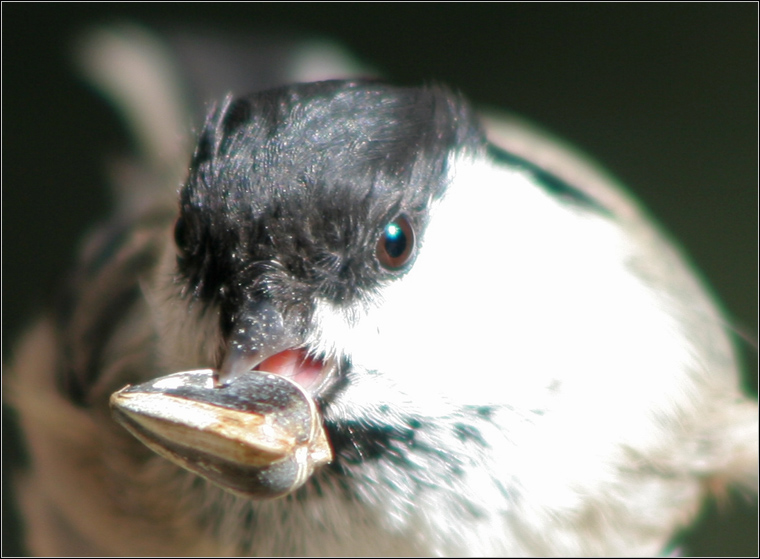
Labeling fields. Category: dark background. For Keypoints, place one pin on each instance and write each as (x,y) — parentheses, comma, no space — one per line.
(664,95)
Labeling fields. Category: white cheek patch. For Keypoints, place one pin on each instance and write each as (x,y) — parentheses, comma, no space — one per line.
(513,297)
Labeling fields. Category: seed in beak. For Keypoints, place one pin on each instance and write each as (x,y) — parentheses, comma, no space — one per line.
(261,436)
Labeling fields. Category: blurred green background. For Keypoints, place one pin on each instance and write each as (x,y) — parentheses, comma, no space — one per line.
(664,95)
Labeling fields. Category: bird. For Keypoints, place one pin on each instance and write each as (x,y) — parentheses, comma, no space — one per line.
(354,318)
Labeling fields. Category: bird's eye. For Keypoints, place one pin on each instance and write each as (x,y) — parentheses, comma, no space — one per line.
(396,244)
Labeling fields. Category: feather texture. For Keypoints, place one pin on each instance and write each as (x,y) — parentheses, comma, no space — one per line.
(547,375)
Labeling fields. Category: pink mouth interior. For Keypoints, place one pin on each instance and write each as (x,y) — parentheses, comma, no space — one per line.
(294,364)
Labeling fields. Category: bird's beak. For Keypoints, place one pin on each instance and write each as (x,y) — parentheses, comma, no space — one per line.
(259,331)
(253,427)
(263,339)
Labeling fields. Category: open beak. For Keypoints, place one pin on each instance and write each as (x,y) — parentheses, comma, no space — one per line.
(262,340)
(252,427)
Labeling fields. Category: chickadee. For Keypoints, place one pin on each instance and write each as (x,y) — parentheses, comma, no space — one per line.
(376,322)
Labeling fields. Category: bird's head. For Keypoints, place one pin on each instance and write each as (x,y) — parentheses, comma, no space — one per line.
(303,250)
(308,198)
